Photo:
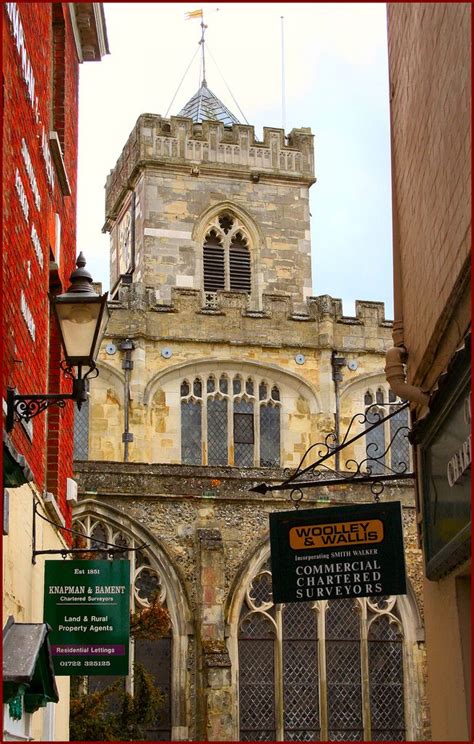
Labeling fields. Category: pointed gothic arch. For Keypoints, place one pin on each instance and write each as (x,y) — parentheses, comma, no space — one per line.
(121,528)
(305,661)
(229,250)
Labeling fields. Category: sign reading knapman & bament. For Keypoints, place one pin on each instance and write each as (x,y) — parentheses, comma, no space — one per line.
(87,605)
(337,552)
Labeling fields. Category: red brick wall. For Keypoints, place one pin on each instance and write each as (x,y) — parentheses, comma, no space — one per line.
(430,70)
(26,359)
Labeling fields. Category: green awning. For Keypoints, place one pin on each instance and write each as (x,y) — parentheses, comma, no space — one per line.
(16,471)
(28,677)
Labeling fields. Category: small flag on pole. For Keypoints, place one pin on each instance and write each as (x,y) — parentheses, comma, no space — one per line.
(194,14)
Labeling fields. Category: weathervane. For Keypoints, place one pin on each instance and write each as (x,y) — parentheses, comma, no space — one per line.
(200,14)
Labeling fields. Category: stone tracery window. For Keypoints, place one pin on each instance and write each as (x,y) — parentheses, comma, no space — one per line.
(226,257)
(146,581)
(223,422)
(322,671)
(379,403)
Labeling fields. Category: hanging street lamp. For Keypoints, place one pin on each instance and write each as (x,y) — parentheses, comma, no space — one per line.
(82,316)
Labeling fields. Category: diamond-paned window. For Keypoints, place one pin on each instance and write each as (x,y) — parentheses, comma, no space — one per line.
(156,656)
(81,432)
(388,443)
(308,670)
(269,436)
(217,451)
(191,437)
(238,430)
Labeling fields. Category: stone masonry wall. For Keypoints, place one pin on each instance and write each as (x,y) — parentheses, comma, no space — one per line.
(210,525)
(292,350)
(179,176)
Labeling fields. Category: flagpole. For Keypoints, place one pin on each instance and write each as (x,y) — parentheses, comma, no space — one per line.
(203,28)
(283,112)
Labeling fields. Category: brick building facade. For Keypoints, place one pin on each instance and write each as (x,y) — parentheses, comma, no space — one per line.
(430,88)
(218,372)
(43,45)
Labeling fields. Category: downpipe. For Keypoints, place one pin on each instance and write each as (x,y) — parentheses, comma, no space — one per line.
(395,359)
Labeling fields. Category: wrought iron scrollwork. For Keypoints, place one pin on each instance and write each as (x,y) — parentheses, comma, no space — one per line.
(67,369)
(379,465)
(27,408)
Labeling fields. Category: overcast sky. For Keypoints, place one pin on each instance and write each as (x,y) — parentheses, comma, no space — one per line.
(336,82)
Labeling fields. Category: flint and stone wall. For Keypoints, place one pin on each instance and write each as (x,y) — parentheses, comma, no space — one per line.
(210,525)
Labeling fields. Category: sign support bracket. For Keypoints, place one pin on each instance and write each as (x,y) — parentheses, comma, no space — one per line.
(110,548)
(363,472)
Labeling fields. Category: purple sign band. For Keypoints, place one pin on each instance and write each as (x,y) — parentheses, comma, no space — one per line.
(88,650)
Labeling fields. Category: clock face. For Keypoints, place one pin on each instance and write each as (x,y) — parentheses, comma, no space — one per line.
(124,243)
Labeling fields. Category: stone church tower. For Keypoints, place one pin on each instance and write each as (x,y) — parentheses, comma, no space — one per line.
(219,370)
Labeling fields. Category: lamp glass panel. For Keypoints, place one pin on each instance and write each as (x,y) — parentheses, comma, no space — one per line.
(103,323)
(78,323)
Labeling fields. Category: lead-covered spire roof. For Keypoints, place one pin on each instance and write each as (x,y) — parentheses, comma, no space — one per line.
(205,105)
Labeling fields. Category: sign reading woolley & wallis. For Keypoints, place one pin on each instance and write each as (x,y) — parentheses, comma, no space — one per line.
(87,605)
(337,552)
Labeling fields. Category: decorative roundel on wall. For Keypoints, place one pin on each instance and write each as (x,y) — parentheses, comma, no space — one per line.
(300,359)
(352,364)
(110,349)
(166,353)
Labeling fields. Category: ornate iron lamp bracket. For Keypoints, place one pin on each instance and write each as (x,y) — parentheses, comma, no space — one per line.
(26,407)
(372,470)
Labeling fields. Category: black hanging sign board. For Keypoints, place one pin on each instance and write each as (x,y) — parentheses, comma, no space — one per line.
(337,552)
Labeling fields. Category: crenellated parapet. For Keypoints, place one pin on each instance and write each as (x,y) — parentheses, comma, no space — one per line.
(319,323)
(180,144)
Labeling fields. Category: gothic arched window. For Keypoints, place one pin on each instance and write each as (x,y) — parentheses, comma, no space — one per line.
(223,422)
(146,582)
(226,257)
(390,437)
(322,671)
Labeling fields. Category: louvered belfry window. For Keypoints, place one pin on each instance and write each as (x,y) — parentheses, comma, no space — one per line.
(226,256)
(239,264)
(214,271)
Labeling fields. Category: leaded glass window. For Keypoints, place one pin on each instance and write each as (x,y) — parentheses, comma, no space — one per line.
(269,435)
(389,441)
(323,671)
(217,453)
(386,682)
(243,433)
(191,432)
(343,662)
(226,424)
(375,440)
(300,692)
(154,655)
(81,432)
